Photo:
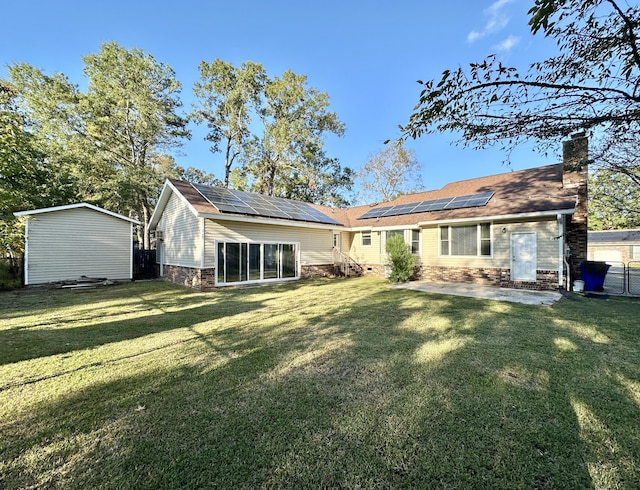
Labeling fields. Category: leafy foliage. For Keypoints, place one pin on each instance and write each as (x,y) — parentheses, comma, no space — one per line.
(112,134)
(289,160)
(614,184)
(226,98)
(400,259)
(614,201)
(27,178)
(390,172)
(591,84)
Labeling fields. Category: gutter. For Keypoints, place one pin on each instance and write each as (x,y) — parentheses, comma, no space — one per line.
(262,221)
(538,214)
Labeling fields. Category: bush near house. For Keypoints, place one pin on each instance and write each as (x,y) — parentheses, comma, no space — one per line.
(10,273)
(399,259)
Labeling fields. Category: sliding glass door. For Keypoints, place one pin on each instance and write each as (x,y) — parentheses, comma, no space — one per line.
(243,262)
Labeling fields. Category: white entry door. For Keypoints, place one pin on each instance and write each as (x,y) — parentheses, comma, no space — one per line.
(523,257)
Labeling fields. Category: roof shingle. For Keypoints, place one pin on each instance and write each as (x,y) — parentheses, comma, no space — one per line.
(533,190)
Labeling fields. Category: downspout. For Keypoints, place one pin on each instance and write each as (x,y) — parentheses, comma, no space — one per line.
(204,245)
(26,252)
(131,251)
(561,258)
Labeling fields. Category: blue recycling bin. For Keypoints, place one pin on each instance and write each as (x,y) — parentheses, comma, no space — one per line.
(593,274)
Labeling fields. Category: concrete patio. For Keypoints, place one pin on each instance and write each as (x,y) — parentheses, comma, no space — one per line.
(546,298)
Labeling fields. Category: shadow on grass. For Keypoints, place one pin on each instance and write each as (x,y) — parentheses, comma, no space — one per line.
(96,325)
(374,388)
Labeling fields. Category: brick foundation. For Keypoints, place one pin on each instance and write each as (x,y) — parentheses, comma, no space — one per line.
(373,270)
(204,279)
(545,279)
(323,270)
(192,277)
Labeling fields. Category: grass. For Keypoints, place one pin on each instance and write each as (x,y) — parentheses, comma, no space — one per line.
(324,383)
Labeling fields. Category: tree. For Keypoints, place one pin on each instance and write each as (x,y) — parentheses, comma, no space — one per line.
(614,201)
(389,173)
(226,98)
(592,84)
(289,159)
(115,131)
(27,178)
(168,169)
(614,186)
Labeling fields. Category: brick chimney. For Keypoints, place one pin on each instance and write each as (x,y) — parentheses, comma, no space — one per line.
(575,154)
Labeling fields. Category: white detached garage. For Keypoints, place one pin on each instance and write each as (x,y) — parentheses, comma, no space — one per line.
(66,242)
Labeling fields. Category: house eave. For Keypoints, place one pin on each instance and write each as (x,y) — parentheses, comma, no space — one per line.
(75,206)
(271,221)
(162,203)
(517,216)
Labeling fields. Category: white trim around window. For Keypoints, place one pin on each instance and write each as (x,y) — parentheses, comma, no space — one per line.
(366,238)
(242,262)
(412,237)
(475,240)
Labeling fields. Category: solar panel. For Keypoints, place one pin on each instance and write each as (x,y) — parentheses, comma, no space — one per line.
(372,213)
(239,202)
(458,202)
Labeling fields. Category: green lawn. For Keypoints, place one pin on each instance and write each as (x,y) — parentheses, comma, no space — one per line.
(324,383)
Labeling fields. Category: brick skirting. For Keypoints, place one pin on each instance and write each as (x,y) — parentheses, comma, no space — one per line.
(545,279)
(192,277)
(204,279)
(323,270)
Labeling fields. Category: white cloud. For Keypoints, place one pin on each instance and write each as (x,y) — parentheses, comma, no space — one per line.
(497,20)
(508,44)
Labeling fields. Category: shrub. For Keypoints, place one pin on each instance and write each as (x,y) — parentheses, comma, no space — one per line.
(10,272)
(400,259)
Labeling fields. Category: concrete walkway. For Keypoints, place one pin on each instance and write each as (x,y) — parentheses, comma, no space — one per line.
(524,296)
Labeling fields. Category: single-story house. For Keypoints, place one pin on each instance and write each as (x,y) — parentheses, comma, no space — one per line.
(525,229)
(614,246)
(67,242)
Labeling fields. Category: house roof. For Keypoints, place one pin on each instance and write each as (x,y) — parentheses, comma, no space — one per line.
(525,192)
(536,191)
(202,207)
(75,206)
(628,237)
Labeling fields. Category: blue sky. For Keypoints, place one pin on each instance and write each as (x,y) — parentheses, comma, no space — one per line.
(366,55)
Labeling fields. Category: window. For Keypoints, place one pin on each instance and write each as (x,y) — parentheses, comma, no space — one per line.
(365,238)
(415,242)
(485,239)
(444,240)
(466,241)
(242,262)
(410,237)
(635,252)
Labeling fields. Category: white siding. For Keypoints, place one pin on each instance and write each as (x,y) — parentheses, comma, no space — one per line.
(315,245)
(182,234)
(70,243)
